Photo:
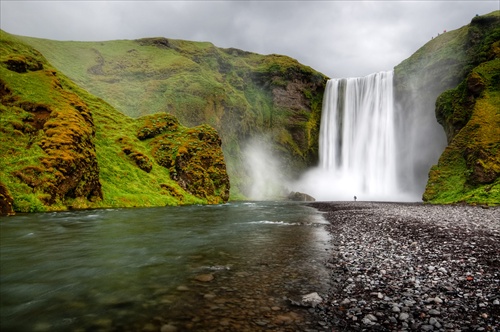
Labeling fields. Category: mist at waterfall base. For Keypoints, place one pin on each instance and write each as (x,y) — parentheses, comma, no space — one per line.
(360,145)
(267,180)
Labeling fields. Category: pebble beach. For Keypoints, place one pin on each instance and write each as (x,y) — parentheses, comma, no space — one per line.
(412,267)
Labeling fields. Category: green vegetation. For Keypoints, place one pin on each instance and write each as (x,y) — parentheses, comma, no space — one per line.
(241,94)
(63,147)
(469,168)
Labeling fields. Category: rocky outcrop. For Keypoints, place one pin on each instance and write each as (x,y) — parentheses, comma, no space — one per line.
(300,197)
(469,168)
(193,156)
(297,96)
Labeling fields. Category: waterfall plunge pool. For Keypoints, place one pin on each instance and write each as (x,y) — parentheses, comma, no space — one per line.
(137,269)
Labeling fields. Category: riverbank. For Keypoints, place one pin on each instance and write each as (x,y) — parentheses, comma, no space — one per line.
(400,266)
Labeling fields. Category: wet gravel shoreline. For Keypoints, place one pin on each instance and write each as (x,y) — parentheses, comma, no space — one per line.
(414,267)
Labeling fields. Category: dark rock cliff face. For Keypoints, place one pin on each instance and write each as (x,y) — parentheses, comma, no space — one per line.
(452,79)
(297,95)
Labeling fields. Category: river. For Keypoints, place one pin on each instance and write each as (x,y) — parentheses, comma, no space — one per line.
(149,269)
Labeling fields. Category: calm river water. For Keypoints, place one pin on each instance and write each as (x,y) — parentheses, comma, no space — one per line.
(138,269)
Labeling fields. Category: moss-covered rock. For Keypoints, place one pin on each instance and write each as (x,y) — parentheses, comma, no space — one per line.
(6,201)
(193,156)
(63,133)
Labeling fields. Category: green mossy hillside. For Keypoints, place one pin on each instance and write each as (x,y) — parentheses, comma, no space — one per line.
(64,148)
(242,95)
(454,79)
(469,168)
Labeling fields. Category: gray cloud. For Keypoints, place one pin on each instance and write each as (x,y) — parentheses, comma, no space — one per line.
(337,38)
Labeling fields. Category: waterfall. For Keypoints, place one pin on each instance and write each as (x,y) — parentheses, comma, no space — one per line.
(357,135)
(357,155)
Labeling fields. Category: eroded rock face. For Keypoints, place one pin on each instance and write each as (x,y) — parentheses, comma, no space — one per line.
(70,168)
(291,96)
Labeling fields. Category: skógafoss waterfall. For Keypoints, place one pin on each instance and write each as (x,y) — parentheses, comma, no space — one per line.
(358,142)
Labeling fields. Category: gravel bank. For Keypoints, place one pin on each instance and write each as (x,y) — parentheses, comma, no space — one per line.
(397,266)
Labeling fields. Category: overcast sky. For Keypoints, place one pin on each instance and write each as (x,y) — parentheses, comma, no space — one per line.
(337,38)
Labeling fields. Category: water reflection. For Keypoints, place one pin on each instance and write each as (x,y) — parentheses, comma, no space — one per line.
(139,269)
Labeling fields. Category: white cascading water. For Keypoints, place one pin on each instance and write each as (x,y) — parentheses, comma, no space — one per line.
(357,141)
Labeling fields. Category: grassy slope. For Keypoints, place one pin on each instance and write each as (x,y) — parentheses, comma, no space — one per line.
(241,94)
(123,182)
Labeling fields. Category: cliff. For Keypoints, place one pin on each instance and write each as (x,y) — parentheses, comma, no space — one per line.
(454,79)
(63,148)
(246,97)
(446,100)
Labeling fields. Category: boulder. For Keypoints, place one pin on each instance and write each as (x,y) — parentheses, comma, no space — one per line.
(300,197)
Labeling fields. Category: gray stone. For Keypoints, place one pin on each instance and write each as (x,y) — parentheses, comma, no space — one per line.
(434,312)
(296,196)
(438,300)
(313,299)
(366,321)
(403,316)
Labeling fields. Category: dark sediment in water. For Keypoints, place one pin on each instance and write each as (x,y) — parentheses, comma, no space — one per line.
(397,267)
